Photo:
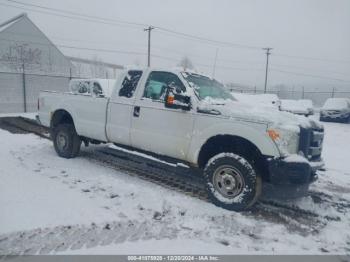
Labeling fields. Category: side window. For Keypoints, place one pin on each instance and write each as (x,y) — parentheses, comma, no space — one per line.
(130,83)
(83,87)
(158,82)
(97,89)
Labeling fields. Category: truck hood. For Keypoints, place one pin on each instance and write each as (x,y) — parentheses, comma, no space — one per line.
(260,114)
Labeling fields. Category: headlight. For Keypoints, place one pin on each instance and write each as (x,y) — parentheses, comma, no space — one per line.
(286,139)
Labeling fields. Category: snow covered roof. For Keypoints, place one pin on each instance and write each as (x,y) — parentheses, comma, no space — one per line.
(271,100)
(307,102)
(11,21)
(166,69)
(32,26)
(336,103)
(294,106)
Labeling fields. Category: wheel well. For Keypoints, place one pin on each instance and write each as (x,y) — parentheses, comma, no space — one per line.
(61,117)
(234,144)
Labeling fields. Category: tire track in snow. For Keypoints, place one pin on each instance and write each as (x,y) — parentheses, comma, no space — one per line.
(62,238)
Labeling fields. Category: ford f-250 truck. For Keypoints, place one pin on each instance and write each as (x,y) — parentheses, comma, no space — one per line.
(191,117)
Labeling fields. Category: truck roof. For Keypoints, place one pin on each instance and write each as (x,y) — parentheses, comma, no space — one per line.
(167,69)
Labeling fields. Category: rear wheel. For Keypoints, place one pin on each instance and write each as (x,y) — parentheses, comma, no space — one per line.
(232,182)
(66,141)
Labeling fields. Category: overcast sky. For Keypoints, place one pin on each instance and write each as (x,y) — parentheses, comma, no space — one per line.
(305,28)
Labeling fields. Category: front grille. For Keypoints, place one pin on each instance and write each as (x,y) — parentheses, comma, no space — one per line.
(310,143)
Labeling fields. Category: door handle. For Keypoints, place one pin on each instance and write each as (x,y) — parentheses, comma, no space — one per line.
(136,111)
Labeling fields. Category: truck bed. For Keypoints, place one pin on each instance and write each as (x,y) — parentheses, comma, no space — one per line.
(88,112)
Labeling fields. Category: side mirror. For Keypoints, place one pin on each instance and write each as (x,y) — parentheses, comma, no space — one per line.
(177,100)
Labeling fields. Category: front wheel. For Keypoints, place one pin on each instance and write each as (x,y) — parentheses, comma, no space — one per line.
(232,182)
(66,141)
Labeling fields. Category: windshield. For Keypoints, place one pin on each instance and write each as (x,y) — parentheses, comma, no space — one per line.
(207,87)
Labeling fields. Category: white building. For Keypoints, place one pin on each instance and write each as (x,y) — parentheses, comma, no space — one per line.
(22,43)
(30,63)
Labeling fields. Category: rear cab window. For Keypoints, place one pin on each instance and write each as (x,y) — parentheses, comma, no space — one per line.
(130,83)
(85,87)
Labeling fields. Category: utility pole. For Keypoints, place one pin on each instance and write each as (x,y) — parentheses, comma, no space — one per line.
(267,64)
(303,94)
(216,57)
(149,29)
(24,88)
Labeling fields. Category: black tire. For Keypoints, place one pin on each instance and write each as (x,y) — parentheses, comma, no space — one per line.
(71,146)
(248,182)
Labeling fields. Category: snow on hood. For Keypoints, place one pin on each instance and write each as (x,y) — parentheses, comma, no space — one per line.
(336,104)
(270,100)
(259,113)
(293,106)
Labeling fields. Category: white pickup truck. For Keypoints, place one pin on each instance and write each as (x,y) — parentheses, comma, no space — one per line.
(191,118)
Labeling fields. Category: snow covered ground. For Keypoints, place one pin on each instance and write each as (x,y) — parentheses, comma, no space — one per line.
(26,115)
(59,206)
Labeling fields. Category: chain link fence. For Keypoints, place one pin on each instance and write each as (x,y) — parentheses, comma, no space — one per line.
(318,97)
(20,90)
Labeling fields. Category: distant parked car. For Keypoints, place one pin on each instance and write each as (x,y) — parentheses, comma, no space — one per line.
(267,100)
(336,110)
(308,104)
(295,107)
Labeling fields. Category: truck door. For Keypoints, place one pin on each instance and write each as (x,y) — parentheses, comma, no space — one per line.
(154,127)
(120,109)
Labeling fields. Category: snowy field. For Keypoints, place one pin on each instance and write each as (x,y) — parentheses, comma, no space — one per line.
(59,206)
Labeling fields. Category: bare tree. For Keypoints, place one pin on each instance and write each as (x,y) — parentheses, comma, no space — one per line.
(186,63)
(19,55)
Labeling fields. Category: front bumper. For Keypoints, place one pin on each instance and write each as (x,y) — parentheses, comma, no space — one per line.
(284,172)
(333,116)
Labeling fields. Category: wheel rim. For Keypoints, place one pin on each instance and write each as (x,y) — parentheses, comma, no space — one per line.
(61,141)
(228,181)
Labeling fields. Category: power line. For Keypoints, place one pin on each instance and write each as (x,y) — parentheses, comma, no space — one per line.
(309,69)
(309,75)
(121,22)
(312,58)
(78,14)
(176,60)
(206,65)
(79,47)
(208,40)
(97,19)
(198,64)
(157,46)
(68,16)
(137,53)
(103,50)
